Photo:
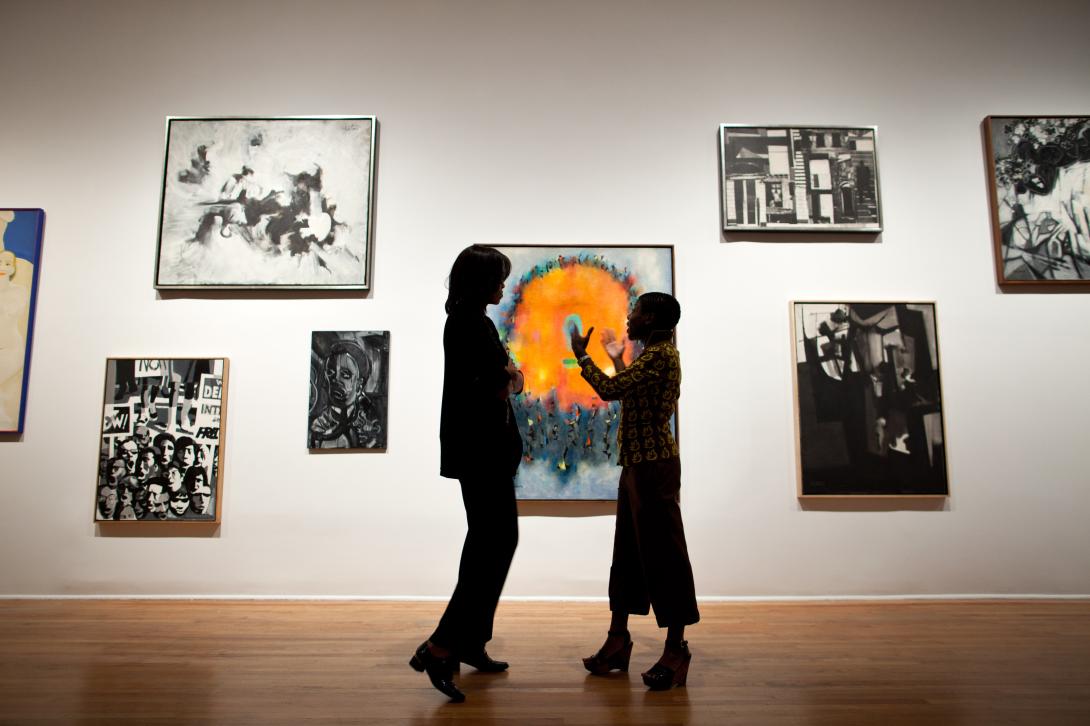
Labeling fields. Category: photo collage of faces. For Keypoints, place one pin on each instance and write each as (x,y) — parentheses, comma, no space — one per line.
(160,449)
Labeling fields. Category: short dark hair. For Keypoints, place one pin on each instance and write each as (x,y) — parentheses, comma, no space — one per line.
(189,483)
(663,307)
(477,272)
(161,438)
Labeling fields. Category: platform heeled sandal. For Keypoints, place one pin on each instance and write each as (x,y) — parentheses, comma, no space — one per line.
(602,663)
(662,677)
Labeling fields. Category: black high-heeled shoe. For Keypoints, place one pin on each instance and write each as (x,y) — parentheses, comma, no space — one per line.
(440,672)
(482,661)
(601,663)
(662,677)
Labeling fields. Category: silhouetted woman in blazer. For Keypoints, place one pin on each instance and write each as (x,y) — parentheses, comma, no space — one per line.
(481,448)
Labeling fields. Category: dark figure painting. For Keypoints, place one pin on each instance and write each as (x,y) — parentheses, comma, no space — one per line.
(162,439)
(349,381)
(869,400)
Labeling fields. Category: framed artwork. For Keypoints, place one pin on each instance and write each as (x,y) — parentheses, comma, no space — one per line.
(868,400)
(20,260)
(569,434)
(161,453)
(265,203)
(349,390)
(799,178)
(1039,186)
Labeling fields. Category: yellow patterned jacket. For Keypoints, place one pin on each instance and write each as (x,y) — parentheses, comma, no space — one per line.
(648,390)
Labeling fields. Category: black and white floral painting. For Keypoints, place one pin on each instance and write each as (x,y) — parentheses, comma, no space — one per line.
(1040,193)
(349,388)
(280,202)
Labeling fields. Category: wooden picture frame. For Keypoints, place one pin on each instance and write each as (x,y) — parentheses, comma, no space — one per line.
(162,442)
(1038,170)
(869,420)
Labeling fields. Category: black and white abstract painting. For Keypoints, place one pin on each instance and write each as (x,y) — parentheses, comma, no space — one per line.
(278,202)
(161,450)
(349,390)
(1040,192)
(799,178)
(868,399)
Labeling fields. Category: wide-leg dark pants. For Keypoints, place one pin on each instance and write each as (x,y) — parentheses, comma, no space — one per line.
(650,559)
(491,537)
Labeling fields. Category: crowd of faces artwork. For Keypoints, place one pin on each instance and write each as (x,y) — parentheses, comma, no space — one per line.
(160,452)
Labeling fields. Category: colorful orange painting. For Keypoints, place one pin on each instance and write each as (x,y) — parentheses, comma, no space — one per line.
(569,434)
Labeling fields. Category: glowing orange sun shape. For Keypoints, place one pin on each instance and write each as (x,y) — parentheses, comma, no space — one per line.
(539,338)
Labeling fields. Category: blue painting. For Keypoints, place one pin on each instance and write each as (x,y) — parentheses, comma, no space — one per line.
(20,255)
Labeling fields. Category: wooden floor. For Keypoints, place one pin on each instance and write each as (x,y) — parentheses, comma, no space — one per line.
(245,662)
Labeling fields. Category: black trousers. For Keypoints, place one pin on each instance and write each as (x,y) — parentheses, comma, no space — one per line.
(650,559)
(493,534)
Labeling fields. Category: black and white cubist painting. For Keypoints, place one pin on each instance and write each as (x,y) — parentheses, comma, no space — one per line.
(260,203)
(799,178)
(868,400)
(161,450)
(349,390)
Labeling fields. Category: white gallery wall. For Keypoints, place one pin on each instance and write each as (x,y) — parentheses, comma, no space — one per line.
(545,122)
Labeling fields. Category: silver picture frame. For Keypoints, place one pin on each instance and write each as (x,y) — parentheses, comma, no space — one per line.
(267,203)
(809,178)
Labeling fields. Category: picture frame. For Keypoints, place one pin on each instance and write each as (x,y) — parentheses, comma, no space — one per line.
(162,441)
(1038,170)
(869,419)
(21,234)
(796,178)
(267,203)
(550,288)
(349,390)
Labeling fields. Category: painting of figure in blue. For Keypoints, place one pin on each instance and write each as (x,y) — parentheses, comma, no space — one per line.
(20,252)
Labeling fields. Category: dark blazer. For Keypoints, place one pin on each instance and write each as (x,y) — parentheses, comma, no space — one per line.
(477,430)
